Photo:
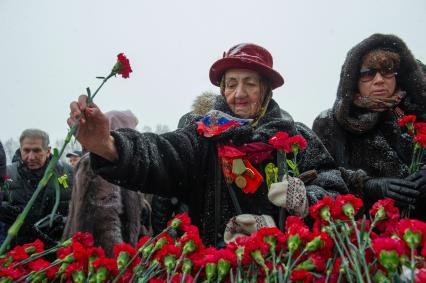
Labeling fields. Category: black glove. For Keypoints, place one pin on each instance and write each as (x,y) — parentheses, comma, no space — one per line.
(402,191)
(419,178)
(315,193)
(9,213)
(50,234)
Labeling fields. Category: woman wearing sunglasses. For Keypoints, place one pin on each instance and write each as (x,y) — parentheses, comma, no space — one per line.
(380,82)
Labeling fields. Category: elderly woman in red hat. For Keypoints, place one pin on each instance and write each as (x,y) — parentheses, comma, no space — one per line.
(217,163)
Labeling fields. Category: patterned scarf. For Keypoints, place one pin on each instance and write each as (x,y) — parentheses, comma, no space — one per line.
(379,103)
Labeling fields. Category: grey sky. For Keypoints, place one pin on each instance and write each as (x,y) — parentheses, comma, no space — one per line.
(52,50)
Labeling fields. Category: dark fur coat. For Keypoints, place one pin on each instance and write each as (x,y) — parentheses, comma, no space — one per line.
(372,141)
(111,213)
(185,164)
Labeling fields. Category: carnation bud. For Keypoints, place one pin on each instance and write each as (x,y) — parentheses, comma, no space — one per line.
(187,266)
(307,265)
(101,274)
(169,262)
(223,268)
(381,277)
(189,247)
(258,258)
(412,239)
(146,250)
(325,213)
(176,222)
(389,260)
(293,243)
(314,245)
(78,276)
(380,214)
(348,210)
(122,259)
(211,270)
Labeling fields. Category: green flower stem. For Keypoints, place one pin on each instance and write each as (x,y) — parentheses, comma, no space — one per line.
(38,255)
(287,266)
(412,265)
(16,226)
(296,172)
(361,251)
(90,100)
(140,250)
(57,198)
(342,255)
(57,262)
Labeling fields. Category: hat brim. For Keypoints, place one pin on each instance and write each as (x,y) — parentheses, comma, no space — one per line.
(222,65)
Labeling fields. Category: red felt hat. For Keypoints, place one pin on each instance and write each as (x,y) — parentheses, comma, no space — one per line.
(246,56)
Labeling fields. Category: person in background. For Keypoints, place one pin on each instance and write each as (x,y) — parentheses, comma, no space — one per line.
(380,82)
(190,163)
(74,157)
(2,179)
(111,213)
(25,174)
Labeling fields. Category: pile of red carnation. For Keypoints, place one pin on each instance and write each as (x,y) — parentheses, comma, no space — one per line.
(338,248)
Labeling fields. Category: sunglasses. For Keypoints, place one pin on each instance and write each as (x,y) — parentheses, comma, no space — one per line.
(366,75)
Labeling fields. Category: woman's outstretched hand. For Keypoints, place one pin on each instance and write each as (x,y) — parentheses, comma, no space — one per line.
(93,132)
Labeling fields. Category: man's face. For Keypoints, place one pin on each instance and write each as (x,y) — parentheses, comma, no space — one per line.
(243,92)
(74,160)
(32,153)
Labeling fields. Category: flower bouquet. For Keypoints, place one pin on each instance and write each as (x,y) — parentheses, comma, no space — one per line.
(338,248)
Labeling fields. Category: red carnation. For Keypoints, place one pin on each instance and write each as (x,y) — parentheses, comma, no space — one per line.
(166,251)
(388,244)
(95,252)
(272,236)
(279,141)
(421,139)
(86,239)
(75,266)
(385,213)
(420,127)
(227,255)
(346,206)
(123,247)
(412,231)
(18,253)
(191,242)
(122,67)
(297,143)
(35,247)
(9,272)
(109,263)
(142,241)
(407,121)
(39,264)
(319,211)
(180,221)
(301,276)
(421,276)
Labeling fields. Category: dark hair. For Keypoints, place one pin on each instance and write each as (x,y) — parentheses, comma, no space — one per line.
(382,60)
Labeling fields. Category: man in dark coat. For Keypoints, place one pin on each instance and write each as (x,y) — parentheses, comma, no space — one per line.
(186,163)
(25,175)
(2,177)
(380,82)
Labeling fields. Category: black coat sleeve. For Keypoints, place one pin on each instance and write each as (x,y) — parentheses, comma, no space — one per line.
(159,164)
(316,156)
